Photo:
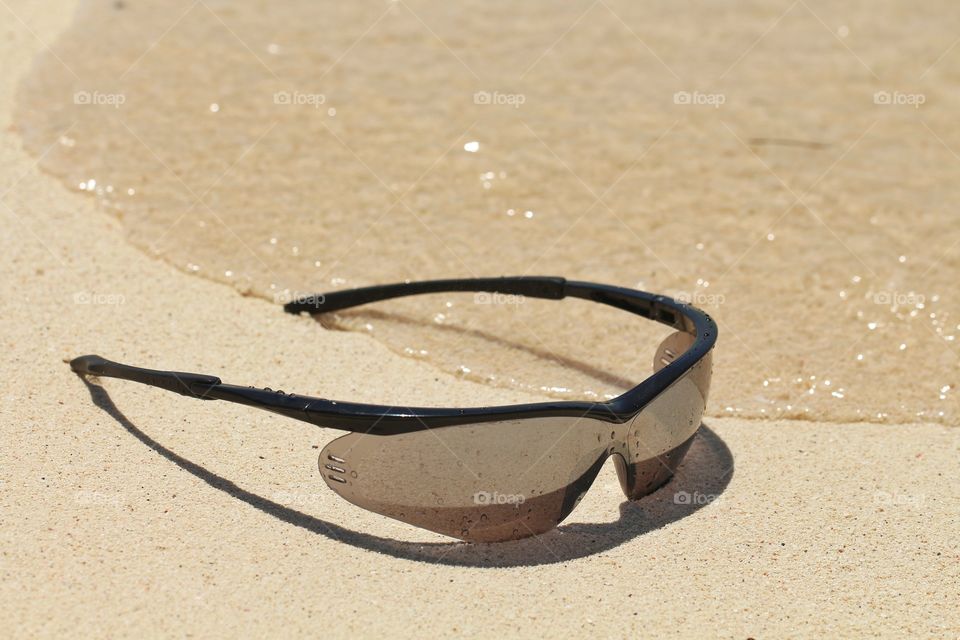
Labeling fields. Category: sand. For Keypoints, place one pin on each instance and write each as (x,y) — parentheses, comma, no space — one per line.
(131,511)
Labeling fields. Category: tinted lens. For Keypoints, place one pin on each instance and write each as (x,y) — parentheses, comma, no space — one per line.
(659,436)
(506,480)
(481,482)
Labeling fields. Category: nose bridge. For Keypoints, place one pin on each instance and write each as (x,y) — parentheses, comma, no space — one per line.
(615,438)
(619,449)
(612,442)
(621,446)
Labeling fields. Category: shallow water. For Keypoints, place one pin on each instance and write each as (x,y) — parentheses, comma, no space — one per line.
(731,154)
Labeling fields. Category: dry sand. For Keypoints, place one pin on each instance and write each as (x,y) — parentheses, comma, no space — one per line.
(143,513)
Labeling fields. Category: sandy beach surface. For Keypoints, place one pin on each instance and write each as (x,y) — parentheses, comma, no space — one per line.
(129,511)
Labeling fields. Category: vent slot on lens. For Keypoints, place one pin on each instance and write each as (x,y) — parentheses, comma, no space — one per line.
(668,356)
(338,467)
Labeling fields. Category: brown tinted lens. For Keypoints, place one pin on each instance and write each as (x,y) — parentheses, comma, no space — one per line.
(482,482)
(659,436)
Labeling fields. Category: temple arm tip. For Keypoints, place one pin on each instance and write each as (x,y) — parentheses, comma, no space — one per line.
(87,364)
(195,385)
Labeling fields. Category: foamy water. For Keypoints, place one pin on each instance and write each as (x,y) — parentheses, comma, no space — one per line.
(794,175)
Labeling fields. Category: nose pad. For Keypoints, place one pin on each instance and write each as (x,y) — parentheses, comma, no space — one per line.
(623,473)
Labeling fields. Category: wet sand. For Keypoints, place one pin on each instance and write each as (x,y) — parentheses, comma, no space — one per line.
(776,165)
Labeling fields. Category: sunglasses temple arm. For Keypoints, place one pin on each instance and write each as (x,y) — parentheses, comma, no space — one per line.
(193,385)
(550,288)
(204,387)
(547,287)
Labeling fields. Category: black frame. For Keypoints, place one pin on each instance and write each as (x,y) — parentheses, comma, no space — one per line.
(383,420)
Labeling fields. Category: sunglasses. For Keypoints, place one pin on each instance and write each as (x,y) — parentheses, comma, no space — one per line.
(489,474)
